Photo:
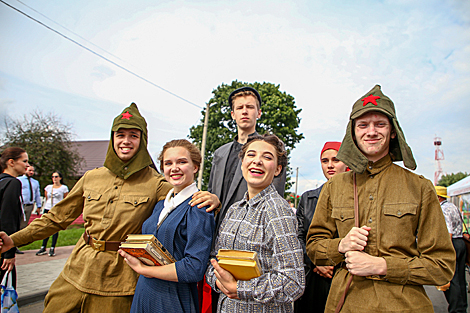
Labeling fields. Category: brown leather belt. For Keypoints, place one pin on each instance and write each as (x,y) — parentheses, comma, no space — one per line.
(101,245)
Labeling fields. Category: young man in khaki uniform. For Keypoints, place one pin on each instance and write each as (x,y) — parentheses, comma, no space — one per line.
(115,200)
(402,243)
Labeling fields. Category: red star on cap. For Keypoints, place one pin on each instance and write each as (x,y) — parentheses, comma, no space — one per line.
(126,115)
(372,99)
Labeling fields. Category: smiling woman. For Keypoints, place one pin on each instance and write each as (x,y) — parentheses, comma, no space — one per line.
(186,231)
(264,223)
(260,163)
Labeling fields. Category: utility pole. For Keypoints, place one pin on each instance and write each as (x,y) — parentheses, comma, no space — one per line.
(203,147)
(438,157)
(296,183)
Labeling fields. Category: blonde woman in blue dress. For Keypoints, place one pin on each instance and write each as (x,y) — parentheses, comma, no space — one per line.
(185,231)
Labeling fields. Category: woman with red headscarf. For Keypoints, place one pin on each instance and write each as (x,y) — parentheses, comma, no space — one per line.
(318,279)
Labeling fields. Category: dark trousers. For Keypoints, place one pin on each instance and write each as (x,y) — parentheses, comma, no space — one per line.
(456,295)
(54,237)
(316,292)
(54,240)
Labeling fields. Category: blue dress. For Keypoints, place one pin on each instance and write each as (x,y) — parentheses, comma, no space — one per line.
(187,234)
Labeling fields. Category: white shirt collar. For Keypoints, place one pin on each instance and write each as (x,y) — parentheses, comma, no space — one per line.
(173,202)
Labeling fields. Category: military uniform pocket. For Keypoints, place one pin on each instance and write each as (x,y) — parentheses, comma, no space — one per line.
(400,209)
(399,218)
(341,213)
(344,217)
(91,195)
(135,200)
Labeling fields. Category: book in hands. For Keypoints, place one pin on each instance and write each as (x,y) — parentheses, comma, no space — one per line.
(243,265)
(147,249)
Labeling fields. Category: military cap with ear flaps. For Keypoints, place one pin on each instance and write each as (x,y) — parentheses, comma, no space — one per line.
(399,150)
(129,118)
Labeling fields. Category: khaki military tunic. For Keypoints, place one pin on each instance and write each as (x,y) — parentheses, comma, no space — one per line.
(408,231)
(112,208)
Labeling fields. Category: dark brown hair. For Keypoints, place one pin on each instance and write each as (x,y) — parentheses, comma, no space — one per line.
(274,141)
(10,153)
(192,149)
(61,177)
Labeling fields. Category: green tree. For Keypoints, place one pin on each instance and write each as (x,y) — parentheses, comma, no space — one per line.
(449,179)
(48,144)
(279,116)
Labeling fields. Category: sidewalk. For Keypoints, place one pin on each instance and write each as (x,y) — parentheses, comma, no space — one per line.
(35,274)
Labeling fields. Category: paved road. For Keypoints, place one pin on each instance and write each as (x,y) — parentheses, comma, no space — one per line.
(36,274)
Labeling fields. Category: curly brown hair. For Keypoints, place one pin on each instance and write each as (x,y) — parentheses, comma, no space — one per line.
(274,141)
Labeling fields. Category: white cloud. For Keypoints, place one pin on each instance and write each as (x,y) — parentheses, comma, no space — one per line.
(326,55)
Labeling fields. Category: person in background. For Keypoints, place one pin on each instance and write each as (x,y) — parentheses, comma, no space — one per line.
(185,231)
(456,294)
(401,241)
(53,194)
(226,180)
(13,163)
(317,278)
(263,222)
(31,194)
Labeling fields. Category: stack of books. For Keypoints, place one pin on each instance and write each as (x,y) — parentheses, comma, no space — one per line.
(147,249)
(243,265)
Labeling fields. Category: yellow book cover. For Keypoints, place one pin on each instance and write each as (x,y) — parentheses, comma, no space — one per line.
(140,237)
(243,265)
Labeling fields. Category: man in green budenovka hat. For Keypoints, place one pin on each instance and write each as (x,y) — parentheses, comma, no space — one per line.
(115,200)
(403,242)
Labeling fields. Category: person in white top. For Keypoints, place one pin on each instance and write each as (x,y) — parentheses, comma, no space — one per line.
(53,194)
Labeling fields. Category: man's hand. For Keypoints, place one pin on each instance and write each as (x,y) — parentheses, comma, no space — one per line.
(8,264)
(355,240)
(225,281)
(205,198)
(324,271)
(5,242)
(362,264)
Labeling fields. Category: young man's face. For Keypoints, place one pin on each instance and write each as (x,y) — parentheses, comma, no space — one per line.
(245,112)
(126,142)
(372,133)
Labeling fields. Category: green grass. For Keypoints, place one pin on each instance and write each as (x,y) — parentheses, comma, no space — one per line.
(67,237)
